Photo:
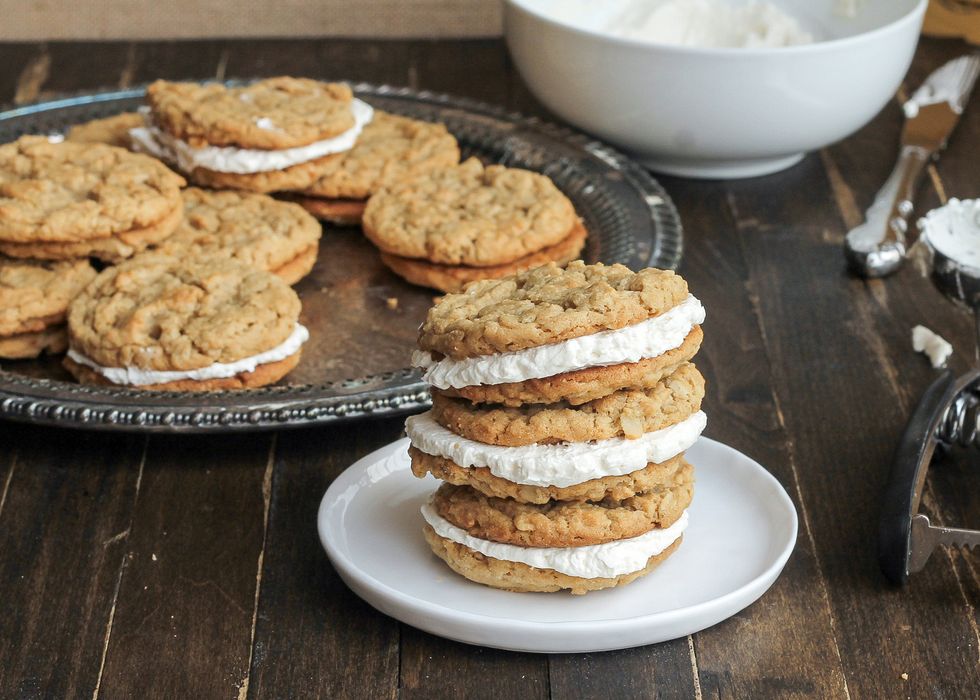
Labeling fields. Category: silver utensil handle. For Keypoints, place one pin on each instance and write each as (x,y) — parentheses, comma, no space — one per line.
(926,537)
(877,247)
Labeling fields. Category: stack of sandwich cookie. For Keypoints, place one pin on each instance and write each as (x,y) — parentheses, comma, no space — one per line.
(452,226)
(275,134)
(253,229)
(34,299)
(390,149)
(563,403)
(165,324)
(67,200)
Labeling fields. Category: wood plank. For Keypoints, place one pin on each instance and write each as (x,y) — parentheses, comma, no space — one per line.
(313,637)
(77,67)
(840,388)
(67,504)
(334,59)
(183,618)
(15,59)
(761,651)
(432,667)
(659,671)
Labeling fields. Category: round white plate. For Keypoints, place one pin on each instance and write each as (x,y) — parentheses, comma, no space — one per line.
(742,531)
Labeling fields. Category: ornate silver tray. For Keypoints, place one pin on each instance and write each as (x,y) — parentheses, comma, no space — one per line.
(355,363)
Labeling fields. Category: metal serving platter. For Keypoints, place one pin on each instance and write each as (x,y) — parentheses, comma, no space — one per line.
(363,319)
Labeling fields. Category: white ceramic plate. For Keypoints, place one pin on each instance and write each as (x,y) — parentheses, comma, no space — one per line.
(742,531)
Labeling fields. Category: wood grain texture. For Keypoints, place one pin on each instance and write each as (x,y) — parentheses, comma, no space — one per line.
(67,512)
(183,617)
(313,637)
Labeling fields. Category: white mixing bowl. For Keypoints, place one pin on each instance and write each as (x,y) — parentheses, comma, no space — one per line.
(716,112)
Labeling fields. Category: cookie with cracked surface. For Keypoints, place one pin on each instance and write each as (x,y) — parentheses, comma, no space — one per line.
(35,295)
(252,229)
(303,111)
(453,278)
(519,577)
(391,149)
(469,215)
(483,480)
(70,192)
(587,384)
(566,523)
(113,249)
(162,314)
(626,413)
(113,130)
(546,305)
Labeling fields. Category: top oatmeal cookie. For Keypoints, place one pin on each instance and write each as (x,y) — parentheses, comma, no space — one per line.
(391,148)
(253,229)
(35,294)
(469,215)
(112,130)
(70,192)
(546,305)
(160,313)
(272,114)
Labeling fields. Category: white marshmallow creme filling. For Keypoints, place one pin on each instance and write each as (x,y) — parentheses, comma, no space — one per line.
(563,464)
(641,341)
(589,561)
(134,376)
(245,161)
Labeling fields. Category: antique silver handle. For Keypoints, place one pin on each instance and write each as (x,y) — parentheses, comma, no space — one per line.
(877,247)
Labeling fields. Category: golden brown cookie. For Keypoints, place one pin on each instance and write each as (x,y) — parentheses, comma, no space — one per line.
(452,278)
(484,481)
(113,249)
(469,215)
(342,212)
(113,130)
(162,314)
(52,340)
(546,305)
(272,114)
(519,577)
(587,384)
(627,413)
(70,192)
(389,150)
(566,523)
(35,295)
(252,229)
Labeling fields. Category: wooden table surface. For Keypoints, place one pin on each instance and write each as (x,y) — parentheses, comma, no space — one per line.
(190,566)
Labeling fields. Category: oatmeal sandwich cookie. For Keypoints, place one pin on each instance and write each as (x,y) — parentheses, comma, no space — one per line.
(454,225)
(579,546)
(62,200)
(253,229)
(166,324)
(275,134)
(34,299)
(391,148)
(563,403)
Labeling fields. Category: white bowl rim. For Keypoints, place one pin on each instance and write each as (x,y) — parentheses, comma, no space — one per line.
(730,51)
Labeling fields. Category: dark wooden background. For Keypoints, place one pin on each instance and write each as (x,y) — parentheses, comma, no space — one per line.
(190,566)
